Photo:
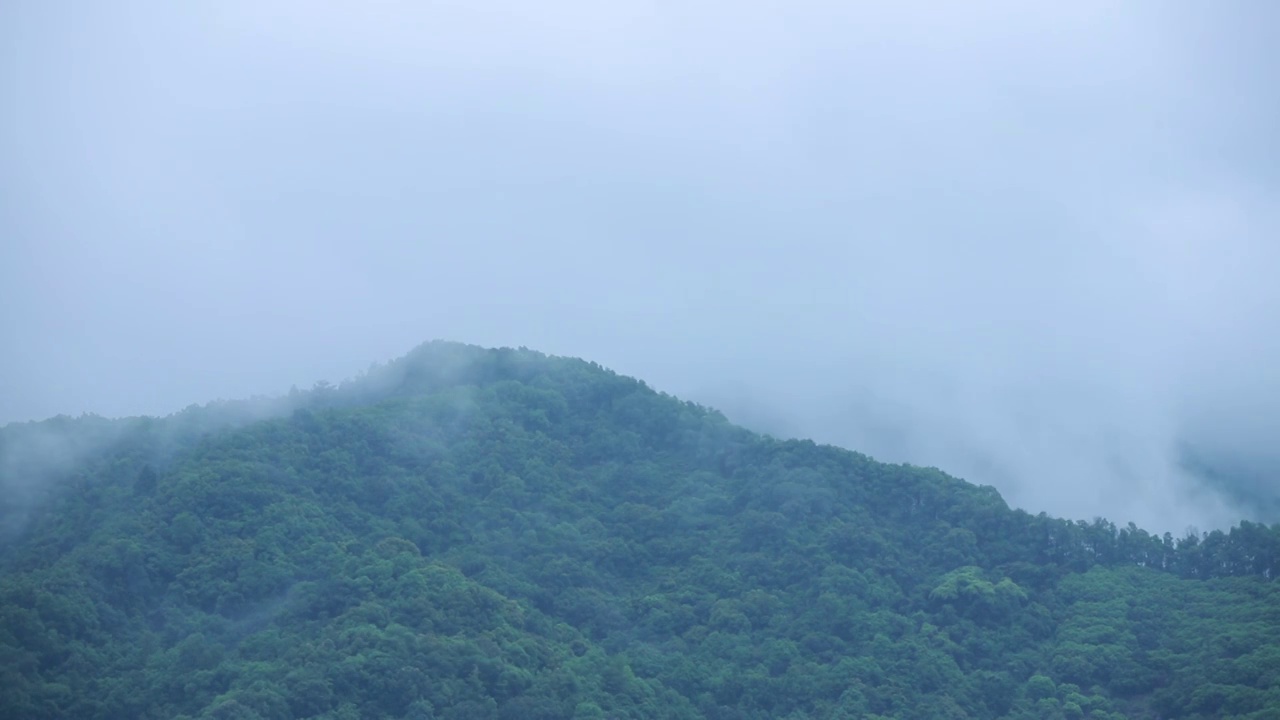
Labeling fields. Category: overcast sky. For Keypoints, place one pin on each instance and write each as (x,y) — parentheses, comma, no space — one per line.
(1035,244)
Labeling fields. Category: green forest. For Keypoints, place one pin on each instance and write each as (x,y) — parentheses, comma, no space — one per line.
(468,533)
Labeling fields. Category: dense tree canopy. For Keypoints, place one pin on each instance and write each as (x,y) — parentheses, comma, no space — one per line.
(471,533)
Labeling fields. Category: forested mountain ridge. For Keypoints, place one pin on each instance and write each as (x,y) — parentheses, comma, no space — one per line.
(472,533)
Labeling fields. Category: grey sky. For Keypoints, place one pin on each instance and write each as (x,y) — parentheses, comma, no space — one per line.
(1032,243)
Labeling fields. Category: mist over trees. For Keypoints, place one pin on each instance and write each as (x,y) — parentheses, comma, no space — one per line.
(472,533)
(965,315)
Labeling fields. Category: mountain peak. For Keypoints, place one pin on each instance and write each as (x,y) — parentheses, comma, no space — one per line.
(473,532)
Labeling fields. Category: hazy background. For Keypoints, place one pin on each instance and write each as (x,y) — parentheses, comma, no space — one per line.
(1035,244)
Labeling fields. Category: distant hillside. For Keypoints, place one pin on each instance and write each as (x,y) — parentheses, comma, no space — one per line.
(476,533)
(1252,483)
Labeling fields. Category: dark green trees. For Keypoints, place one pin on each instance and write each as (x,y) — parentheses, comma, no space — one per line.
(469,533)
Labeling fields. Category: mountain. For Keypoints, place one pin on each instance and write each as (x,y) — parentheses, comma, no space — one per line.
(480,533)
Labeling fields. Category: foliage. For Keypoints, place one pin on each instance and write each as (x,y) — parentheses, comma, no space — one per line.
(469,533)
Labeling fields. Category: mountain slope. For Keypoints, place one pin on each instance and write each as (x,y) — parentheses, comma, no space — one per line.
(496,533)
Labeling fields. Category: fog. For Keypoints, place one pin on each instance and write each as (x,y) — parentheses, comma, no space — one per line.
(1032,245)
